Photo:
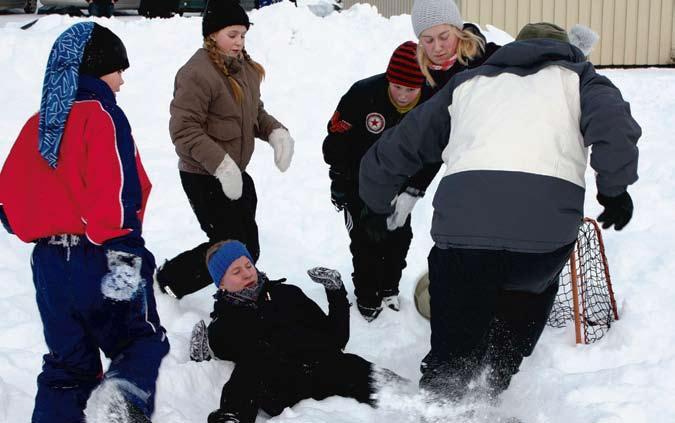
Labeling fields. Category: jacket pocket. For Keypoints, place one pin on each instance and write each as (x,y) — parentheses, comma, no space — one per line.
(223,130)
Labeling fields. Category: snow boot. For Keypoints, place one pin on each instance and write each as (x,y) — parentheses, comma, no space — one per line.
(369,313)
(222,416)
(199,343)
(162,286)
(392,302)
(107,404)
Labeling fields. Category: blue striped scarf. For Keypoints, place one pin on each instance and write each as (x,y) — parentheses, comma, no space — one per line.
(60,88)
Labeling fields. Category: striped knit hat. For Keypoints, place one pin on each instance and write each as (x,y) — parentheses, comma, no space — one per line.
(403,68)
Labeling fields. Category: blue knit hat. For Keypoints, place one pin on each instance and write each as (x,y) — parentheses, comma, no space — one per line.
(221,260)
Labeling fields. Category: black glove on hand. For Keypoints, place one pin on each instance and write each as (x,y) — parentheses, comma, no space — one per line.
(618,210)
(341,188)
(337,196)
(374,224)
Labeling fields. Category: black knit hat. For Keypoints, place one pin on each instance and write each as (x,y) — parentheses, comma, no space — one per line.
(104,53)
(222,13)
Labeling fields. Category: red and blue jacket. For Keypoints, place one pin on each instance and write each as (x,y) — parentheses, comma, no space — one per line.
(99,188)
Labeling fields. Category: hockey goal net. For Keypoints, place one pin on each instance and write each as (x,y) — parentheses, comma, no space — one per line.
(585,295)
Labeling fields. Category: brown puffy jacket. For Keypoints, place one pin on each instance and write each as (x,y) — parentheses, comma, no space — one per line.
(206,120)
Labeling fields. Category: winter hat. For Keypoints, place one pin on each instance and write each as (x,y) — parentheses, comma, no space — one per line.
(428,13)
(543,30)
(60,87)
(584,38)
(104,53)
(221,260)
(403,68)
(222,13)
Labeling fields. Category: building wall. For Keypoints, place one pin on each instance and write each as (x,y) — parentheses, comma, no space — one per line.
(632,32)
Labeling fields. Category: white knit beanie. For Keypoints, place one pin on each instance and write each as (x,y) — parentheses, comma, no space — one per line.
(428,13)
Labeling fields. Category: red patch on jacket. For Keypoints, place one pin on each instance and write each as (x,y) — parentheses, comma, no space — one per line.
(337,125)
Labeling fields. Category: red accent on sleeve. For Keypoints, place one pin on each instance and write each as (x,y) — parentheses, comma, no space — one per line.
(337,125)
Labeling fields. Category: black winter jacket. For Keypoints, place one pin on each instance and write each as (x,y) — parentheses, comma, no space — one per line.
(362,115)
(283,325)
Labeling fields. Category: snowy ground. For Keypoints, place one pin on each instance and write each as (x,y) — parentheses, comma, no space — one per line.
(629,376)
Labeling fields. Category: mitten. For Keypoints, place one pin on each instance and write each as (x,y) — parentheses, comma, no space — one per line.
(282,143)
(329,278)
(229,175)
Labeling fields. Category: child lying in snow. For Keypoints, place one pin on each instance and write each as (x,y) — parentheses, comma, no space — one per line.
(284,346)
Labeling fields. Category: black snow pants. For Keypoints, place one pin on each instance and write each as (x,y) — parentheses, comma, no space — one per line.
(220,218)
(377,265)
(274,386)
(488,309)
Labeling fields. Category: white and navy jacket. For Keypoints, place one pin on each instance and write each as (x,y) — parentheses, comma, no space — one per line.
(514,135)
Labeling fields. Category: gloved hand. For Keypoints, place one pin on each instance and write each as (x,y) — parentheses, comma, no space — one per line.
(282,143)
(341,188)
(618,210)
(124,278)
(403,203)
(229,175)
(374,224)
(329,278)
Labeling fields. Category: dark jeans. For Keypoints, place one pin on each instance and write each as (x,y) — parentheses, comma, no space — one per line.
(78,320)
(377,265)
(220,218)
(275,386)
(488,308)
(101,9)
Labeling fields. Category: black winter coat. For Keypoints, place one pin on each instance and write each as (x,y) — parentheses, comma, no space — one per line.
(283,325)
(362,115)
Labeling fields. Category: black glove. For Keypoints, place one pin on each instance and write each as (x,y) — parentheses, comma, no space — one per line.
(341,189)
(374,224)
(618,210)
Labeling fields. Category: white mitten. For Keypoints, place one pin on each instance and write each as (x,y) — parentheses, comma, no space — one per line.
(404,204)
(282,143)
(229,175)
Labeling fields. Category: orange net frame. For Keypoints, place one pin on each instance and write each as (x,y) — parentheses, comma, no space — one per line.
(585,294)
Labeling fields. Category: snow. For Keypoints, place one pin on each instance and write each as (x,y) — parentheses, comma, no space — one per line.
(628,376)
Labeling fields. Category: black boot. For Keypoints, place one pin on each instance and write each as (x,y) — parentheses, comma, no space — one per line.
(369,313)
(222,416)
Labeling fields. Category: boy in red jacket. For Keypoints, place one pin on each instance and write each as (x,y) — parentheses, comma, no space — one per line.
(74,185)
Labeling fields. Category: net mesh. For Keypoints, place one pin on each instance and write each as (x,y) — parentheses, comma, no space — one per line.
(594,296)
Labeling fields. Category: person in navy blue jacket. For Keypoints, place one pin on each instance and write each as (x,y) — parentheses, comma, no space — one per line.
(81,200)
(515,134)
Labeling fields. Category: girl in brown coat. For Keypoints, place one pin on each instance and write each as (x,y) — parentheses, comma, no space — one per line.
(216,114)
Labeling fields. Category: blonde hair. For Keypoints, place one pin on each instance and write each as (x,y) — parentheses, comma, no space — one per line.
(217,58)
(469,46)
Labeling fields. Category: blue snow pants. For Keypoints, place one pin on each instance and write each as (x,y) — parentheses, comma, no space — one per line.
(79,320)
